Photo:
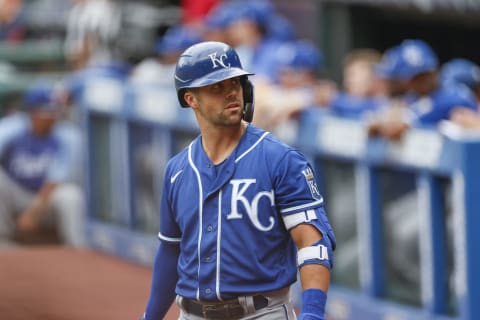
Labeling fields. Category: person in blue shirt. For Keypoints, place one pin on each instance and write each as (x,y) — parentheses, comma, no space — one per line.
(363,91)
(37,172)
(295,88)
(427,101)
(461,71)
(240,213)
(250,32)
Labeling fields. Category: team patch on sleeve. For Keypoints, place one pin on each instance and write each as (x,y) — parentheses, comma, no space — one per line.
(312,184)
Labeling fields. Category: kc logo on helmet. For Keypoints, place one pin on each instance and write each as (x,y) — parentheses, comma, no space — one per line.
(219,60)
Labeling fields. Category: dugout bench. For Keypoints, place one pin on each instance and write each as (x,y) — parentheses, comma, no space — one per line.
(132,131)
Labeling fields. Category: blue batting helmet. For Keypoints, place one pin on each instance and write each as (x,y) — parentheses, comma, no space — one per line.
(210,62)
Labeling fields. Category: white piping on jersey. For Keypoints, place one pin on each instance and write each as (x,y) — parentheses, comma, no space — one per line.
(200,212)
(219,238)
(251,148)
(303,206)
(169,239)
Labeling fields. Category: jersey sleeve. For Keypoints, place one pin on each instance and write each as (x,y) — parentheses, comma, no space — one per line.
(295,184)
(11,127)
(169,230)
(298,196)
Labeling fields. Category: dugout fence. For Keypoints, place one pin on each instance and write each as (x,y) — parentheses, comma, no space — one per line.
(406,214)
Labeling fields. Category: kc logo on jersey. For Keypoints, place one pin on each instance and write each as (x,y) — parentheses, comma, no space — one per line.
(239,186)
(310,178)
(219,60)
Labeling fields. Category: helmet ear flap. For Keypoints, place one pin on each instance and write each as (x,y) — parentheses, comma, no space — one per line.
(248,99)
(181,98)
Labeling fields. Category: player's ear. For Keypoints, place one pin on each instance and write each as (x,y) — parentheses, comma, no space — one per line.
(191,99)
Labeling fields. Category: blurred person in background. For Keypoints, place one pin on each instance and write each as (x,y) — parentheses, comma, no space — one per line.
(459,71)
(249,32)
(387,69)
(421,100)
(12,29)
(427,101)
(37,173)
(464,72)
(161,68)
(92,34)
(296,88)
(363,91)
(214,27)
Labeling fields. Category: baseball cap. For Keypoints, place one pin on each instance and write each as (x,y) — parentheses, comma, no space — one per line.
(40,96)
(258,11)
(388,67)
(279,27)
(221,15)
(298,55)
(177,39)
(405,61)
(460,71)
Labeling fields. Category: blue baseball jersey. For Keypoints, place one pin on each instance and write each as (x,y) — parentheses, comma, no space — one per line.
(439,104)
(348,106)
(228,218)
(27,159)
(32,161)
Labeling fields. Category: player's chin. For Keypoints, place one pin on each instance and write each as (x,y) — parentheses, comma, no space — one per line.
(233,114)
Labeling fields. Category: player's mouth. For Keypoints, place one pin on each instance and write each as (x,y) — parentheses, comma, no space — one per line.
(233,105)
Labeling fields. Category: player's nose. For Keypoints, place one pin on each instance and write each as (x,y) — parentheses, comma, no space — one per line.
(233,90)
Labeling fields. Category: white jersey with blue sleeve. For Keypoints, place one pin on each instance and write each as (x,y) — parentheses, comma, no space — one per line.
(231,220)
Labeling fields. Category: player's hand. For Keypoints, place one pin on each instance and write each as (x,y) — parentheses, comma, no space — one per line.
(465,118)
(394,130)
(27,222)
(310,316)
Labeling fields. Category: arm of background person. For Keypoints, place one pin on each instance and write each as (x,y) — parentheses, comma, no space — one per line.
(30,218)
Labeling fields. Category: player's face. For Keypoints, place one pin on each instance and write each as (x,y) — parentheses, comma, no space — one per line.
(220,104)
(43,121)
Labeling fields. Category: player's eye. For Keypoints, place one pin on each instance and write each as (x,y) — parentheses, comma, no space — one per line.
(216,87)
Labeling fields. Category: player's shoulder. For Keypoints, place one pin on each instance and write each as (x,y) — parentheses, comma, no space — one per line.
(270,145)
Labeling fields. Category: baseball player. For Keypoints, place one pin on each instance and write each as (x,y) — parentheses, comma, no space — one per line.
(240,211)
(38,170)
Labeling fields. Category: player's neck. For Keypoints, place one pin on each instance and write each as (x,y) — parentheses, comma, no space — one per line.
(219,144)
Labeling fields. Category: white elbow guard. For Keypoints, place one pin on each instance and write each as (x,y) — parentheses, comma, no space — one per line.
(295,219)
(318,253)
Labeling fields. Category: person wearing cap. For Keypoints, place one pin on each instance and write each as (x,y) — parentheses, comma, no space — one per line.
(460,71)
(160,68)
(463,72)
(37,173)
(428,102)
(250,32)
(363,92)
(240,211)
(295,87)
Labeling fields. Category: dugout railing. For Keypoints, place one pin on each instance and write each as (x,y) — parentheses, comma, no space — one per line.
(373,188)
